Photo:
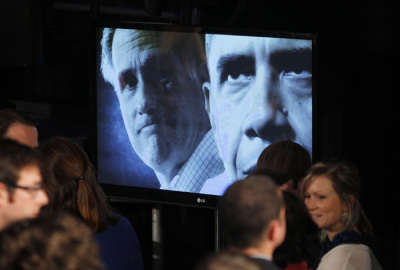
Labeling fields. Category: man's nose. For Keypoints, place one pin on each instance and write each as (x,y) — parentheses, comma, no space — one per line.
(149,96)
(265,118)
(42,197)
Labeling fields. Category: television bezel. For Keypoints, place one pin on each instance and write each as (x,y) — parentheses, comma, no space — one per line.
(158,196)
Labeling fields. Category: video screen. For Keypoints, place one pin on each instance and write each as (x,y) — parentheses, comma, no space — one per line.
(192,112)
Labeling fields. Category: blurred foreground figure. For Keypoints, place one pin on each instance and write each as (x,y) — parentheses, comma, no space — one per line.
(61,242)
(287,162)
(227,261)
(21,188)
(253,218)
(73,188)
(18,126)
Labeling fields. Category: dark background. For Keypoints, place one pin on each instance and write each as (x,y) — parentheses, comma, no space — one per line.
(46,69)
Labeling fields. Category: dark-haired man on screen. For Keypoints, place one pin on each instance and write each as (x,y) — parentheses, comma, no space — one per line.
(158,80)
(260,91)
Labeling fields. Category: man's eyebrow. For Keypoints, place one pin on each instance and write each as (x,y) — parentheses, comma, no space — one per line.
(233,65)
(233,59)
(295,57)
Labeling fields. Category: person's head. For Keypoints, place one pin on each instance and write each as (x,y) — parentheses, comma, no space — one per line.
(260,91)
(253,214)
(287,159)
(332,190)
(302,241)
(60,242)
(18,126)
(227,261)
(158,79)
(21,192)
(72,182)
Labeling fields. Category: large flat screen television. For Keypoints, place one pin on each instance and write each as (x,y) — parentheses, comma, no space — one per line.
(182,112)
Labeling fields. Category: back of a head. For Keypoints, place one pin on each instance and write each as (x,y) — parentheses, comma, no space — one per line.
(72,183)
(14,157)
(346,182)
(247,208)
(60,242)
(302,240)
(11,116)
(18,126)
(287,159)
(227,261)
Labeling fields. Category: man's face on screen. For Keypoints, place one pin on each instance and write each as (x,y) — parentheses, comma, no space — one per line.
(260,91)
(160,104)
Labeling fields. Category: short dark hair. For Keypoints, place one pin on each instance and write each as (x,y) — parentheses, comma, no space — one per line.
(11,116)
(302,239)
(13,158)
(60,242)
(247,208)
(285,159)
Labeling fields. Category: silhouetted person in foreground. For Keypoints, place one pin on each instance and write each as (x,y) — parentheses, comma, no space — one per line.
(73,188)
(61,242)
(18,126)
(253,218)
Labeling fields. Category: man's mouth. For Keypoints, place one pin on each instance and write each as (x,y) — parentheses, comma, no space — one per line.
(147,124)
(249,170)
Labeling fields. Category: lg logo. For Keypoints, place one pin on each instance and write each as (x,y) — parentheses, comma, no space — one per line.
(200,200)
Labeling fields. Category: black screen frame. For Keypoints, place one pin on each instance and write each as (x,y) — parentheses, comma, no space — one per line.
(156,196)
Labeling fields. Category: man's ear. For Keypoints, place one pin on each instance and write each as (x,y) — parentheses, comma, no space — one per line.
(4,196)
(273,230)
(276,231)
(206,94)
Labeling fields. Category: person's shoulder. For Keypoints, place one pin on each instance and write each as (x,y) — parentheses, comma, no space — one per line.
(347,256)
(265,264)
(349,249)
(123,222)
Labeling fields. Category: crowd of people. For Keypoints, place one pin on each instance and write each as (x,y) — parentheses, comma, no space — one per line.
(287,214)
(277,212)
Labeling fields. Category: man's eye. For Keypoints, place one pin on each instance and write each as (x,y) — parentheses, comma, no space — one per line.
(127,81)
(300,73)
(166,83)
(236,69)
(238,74)
(293,63)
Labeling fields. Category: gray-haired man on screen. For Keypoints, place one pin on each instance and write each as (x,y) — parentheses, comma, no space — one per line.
(158,80)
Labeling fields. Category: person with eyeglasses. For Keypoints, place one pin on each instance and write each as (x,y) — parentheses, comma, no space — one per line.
(21,189)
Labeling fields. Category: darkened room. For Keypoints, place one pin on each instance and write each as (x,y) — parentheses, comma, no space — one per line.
(47,70)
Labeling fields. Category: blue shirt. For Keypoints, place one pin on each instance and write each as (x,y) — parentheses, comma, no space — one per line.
(119,246)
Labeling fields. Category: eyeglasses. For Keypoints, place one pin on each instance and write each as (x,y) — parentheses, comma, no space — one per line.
(32,190)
